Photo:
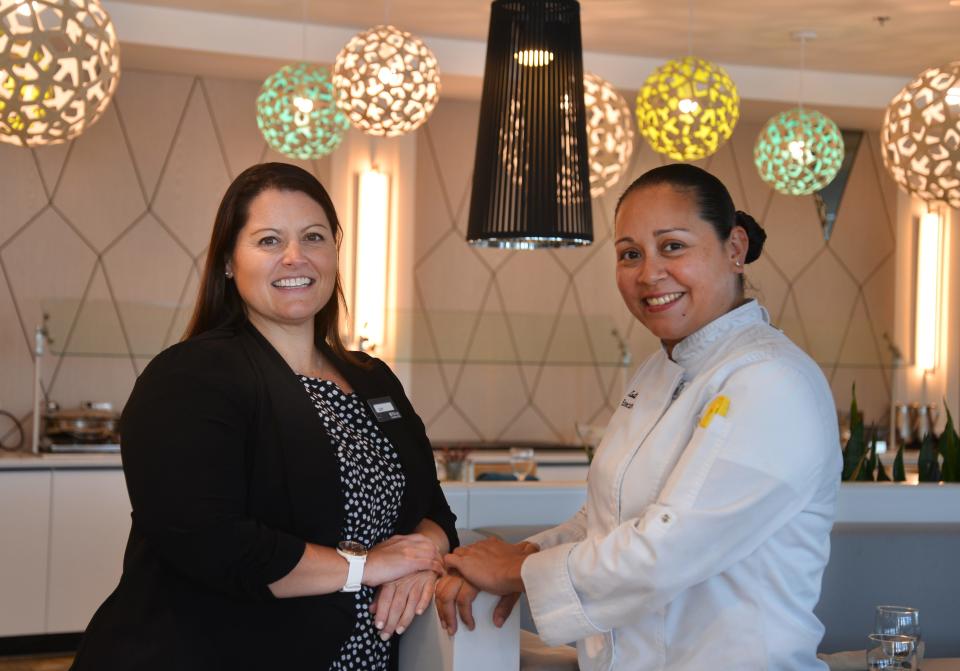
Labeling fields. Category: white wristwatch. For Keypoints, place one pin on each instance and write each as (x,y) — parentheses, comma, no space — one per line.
(356,556)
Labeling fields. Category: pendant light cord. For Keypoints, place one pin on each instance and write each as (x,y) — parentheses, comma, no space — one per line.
(303,30)
(689,27)
(803,63)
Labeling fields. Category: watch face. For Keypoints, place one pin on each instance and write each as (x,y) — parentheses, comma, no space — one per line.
(353,548)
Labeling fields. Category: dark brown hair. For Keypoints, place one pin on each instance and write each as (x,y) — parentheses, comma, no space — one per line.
(218,302)
(714,204)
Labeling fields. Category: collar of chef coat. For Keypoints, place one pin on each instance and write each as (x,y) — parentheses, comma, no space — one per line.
(694,351)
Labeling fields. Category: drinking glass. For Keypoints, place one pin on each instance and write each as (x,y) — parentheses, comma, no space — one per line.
(891,651)
(900,620)
(521,461)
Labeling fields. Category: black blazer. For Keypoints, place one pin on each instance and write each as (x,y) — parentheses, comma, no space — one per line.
(230,472)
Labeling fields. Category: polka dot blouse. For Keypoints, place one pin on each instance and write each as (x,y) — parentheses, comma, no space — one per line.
(373,481)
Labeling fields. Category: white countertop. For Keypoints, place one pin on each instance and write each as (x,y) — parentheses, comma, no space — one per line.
(480,504)
(12,461)
(500,503)
(555,456)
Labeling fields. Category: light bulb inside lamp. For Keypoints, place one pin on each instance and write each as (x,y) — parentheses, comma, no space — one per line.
(688,106)
(797,150)
(304,105)
(389,77)
(533,58)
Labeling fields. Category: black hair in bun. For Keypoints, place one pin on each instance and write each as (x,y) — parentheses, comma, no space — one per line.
(713,201)
(755,234)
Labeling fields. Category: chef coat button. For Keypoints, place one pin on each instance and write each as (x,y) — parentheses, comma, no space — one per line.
(665,518)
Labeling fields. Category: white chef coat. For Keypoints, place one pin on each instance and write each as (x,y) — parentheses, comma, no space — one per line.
(701,548)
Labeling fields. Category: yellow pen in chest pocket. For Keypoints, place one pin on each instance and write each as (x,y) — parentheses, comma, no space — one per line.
(718,406)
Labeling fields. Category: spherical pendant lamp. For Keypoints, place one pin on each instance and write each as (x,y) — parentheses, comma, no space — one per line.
(297,112)
(920,137)
(387,81)
(59,68)
(798,151)
(609,133)
(687,108)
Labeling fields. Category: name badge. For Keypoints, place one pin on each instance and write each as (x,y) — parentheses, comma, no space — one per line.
(383,409)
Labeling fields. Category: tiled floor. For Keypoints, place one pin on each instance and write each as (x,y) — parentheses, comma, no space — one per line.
(58,663)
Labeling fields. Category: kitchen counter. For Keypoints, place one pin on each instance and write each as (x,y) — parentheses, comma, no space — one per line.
(496,503)
(65,521)
(482,504)
(13,461)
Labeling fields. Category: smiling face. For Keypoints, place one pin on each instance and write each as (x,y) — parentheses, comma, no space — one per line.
(673,271)
(284,262)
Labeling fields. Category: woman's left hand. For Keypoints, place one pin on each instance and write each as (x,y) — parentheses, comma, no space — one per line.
(398,602)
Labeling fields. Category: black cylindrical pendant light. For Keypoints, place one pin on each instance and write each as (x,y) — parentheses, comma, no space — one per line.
(531,183)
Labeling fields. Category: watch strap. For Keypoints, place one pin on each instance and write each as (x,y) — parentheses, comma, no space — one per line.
(355,566)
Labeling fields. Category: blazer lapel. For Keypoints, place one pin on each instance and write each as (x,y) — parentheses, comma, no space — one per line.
(310,464)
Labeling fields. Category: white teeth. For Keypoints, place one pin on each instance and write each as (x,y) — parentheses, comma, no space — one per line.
(663,300)
(293,282)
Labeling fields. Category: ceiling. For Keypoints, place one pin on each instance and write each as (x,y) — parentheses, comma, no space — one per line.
(918,34)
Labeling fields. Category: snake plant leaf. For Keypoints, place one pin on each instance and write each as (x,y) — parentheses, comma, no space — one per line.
(859,469)
(899,474)
(855,448)
(949,449)
(927,463)
(882,472)
(868,464)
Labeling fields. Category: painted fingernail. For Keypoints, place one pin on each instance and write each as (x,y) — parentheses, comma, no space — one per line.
(400,630)
(384,636)
(379,625)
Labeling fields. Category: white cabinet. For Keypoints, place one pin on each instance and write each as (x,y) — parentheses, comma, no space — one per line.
(24,536)
(62,537)
(89,526)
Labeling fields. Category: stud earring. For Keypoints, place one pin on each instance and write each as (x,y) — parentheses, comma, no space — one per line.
(738,264)
(230,275)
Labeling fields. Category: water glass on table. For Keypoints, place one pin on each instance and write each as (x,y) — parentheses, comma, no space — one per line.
(522,462)
(891,651)
(896,639)
(892,620)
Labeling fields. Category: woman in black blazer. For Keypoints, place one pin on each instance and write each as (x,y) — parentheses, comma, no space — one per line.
(253,450)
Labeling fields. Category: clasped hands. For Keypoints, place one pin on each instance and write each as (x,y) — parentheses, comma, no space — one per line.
(404,569)
(409,572)
(490,565)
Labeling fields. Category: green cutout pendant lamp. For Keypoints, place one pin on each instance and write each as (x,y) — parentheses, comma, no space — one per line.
(297,112)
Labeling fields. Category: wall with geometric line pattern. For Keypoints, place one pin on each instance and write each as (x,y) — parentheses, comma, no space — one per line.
(106,234)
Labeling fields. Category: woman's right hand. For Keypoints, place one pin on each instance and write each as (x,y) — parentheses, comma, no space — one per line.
(399,556)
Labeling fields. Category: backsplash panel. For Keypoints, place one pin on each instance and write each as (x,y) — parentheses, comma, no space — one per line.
(552,313)
(106,234)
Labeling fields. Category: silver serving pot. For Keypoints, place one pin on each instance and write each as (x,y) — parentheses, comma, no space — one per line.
(92,422)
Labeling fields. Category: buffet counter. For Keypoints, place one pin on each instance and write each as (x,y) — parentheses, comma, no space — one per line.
(64,521)
(480,504)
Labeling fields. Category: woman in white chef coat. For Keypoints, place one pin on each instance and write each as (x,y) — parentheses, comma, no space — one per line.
(711,497)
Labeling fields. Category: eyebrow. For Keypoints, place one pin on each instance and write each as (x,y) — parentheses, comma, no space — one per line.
(266,229)
(656,233)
